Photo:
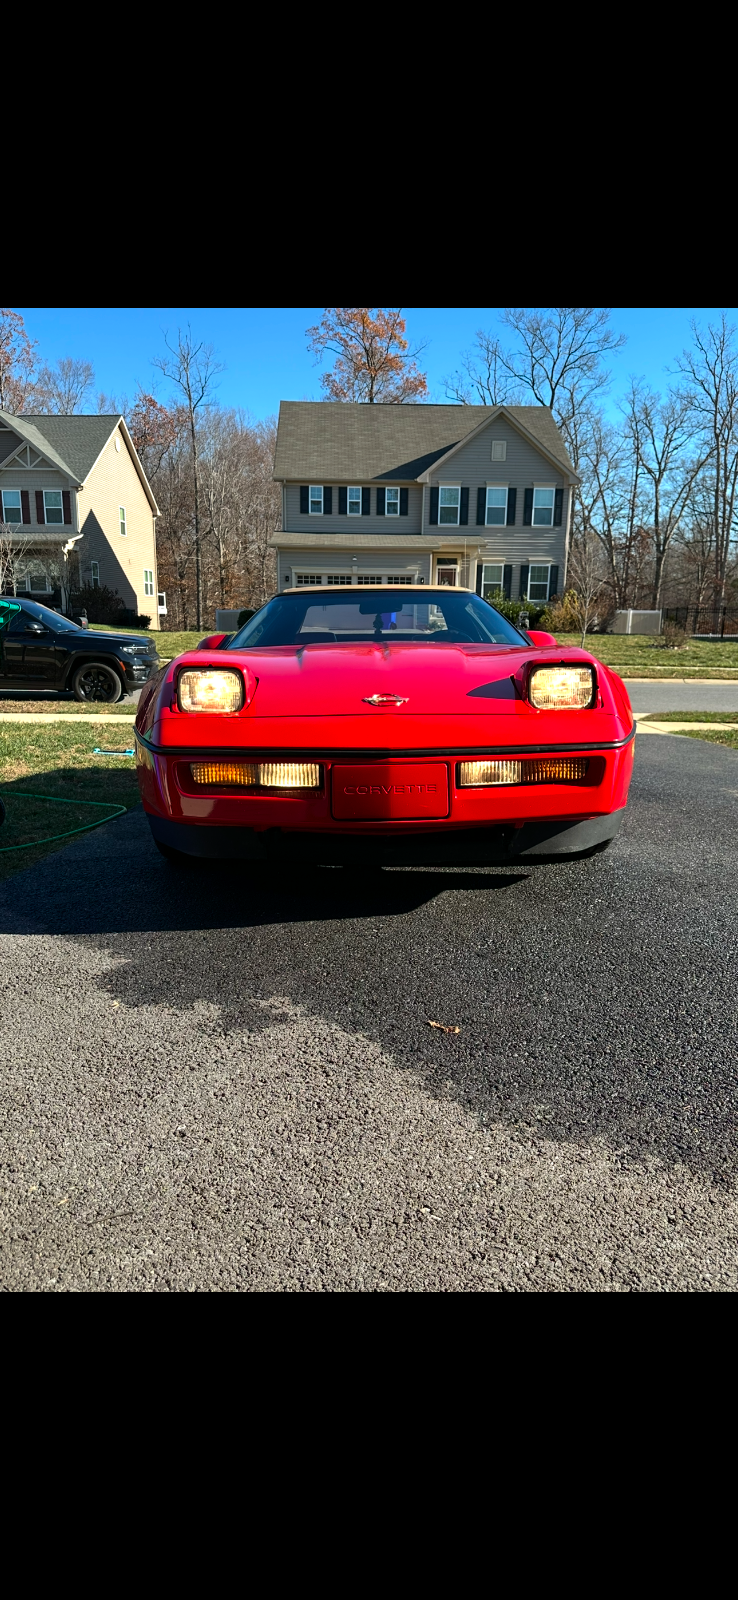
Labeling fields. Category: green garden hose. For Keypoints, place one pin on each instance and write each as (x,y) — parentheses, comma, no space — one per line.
(22,794)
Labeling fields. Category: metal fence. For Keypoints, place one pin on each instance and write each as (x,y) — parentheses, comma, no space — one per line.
(712,622)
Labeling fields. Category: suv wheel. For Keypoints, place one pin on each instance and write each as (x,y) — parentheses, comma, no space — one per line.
(96,682)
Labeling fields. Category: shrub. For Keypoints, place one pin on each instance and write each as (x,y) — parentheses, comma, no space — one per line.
(101,604)
(244,617)
(675,636)
(143,621)
(533,609)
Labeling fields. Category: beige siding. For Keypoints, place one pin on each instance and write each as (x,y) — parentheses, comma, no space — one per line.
(114,482)
(295,520)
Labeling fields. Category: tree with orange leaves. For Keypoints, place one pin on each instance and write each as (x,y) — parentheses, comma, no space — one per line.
(373,360)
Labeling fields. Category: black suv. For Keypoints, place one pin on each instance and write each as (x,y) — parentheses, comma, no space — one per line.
(41,650)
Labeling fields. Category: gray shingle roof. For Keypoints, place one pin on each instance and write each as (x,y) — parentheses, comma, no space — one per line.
(322,441)
(75,441)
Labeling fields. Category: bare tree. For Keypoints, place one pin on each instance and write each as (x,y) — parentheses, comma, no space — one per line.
(710,368)
(588,595)
(14,548)
(62,390)
(483,379)
(192,369)
(661,435)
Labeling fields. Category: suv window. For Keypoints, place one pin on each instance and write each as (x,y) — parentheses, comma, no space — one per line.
(50,619)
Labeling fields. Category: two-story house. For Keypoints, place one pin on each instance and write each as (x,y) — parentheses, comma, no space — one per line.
(478,496)
(75,491)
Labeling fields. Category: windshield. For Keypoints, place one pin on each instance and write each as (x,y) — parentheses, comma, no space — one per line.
(397,617)
(50,619)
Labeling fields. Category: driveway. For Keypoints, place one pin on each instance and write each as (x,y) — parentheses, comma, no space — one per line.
(221,1080)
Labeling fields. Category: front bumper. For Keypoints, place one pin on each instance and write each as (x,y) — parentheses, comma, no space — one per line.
(479,847)
(482,826)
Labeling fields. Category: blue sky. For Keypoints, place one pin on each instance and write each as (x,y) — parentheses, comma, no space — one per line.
(265,350)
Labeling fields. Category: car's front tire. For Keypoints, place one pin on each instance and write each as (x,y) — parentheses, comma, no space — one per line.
(96,683)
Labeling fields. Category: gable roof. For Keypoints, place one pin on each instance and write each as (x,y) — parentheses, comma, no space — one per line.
(335,441)
(74,444)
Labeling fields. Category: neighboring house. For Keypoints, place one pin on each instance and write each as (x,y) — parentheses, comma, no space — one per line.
(478,496)
(76,492)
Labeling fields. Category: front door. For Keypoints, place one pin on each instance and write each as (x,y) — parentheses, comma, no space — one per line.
(447,570)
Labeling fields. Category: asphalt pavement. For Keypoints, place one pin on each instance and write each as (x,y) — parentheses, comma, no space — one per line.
(225,1079)
(683,696)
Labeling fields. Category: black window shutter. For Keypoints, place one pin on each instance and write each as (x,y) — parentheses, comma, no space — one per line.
(528,509)
(464,508)
(507,580)
(512,500)
(481,507)
(480,570)
(553,582)
(366,502)
(40,513)
(558,507)
(304,506)
(327,502)
(25,505)
(342,502)
(380,502)
(524,570)
(67,504)
(433,517)
(403,502)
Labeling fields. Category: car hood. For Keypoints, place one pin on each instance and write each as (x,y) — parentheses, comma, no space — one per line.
(339,680)
(119,641)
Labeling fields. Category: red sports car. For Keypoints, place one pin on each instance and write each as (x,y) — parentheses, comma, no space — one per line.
(402,725)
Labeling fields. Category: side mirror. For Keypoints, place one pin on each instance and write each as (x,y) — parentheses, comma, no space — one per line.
(214,641)
(34,627)
(540,638)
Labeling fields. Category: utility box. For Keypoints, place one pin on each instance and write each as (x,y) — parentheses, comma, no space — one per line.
(226,621)
(637,622)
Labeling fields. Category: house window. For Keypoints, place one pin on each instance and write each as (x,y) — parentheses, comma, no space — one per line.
(354,502)
(95,574)
(122,518)
(307,579)
(543,508)
(53,509)
(496,508)
(11,505)
(538,582)
(37,581)
(149,582)
(392,503)
(448,507)
(316,500)
(499,449)
(492,576)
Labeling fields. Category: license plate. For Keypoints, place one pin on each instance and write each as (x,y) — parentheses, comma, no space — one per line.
(384,793)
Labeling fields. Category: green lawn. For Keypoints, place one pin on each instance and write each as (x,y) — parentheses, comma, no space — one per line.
(690,716)
(729,738)
(638,655)
(51,759)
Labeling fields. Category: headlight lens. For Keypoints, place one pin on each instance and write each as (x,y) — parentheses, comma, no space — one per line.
(258,774)
(547,769)
(561,688)
(210,690)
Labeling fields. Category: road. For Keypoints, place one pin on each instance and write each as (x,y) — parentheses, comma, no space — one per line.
(214,1080)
